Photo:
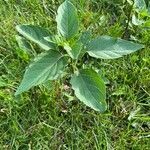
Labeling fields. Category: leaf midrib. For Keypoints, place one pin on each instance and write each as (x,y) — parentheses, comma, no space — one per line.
(95,99)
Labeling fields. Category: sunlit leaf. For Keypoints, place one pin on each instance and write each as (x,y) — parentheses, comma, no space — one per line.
(67,20)
(107,47)
(36,34)
(90,89)
(47,66)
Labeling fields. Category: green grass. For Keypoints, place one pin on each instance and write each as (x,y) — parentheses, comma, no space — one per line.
(44,118)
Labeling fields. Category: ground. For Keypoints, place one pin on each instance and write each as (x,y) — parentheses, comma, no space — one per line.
(44,118)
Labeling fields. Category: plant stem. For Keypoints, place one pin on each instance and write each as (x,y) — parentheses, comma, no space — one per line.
(128,21)
(74,66)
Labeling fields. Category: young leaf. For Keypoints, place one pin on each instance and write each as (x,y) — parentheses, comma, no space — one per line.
(67,20)
(140,5)
(23,44)
(85,37)
(36,34)
(74,51)
(24,49)
(107,47)
(90,89)
(136,21)
(54,39)
(47,66)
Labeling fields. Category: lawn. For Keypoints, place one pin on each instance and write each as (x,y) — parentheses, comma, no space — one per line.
(46,117)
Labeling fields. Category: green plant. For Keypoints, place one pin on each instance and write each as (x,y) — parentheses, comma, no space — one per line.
(64,52)
(141,13)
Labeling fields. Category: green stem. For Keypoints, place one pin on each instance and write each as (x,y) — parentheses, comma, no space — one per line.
(128,21)
(74,66)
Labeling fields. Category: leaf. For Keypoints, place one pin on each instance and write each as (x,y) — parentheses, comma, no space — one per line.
(24,49)
(107,47)
(47,66)
(140,5)
(76,49)
(85,37)
(67,20)
(54,39)
(141,8)
(23,44)
(36,34)
(90,89)
(136,21)
(73,51)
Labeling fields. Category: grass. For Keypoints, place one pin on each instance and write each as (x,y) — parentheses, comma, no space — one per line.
(44,118)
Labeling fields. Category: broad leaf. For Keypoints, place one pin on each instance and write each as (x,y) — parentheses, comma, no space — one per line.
(85,37)
(47,66)
(107,47)
(67,20)
(74,51)
(36,34)
(90,89)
